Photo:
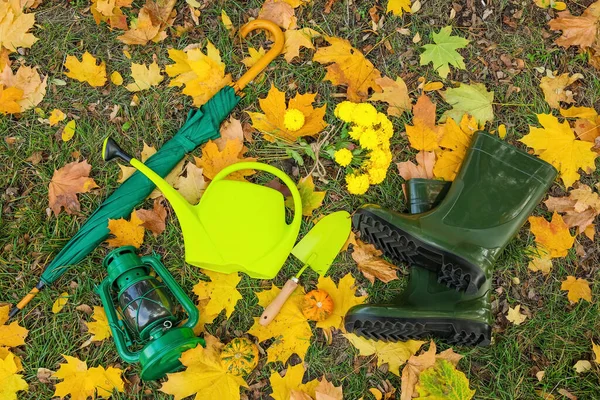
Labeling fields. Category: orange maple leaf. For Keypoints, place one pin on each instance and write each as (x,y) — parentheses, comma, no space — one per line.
(579,31)
(577,289)
(127,233)
(110,12)
(213,160)
(553,236)
(66,182)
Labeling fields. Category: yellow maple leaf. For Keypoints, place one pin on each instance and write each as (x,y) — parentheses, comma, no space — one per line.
(369,262)
(349,67)
(153,18)
(204,375)
(56,116)
(311,199)
(394,354)
(127,233)
(14,26)
(60,302)
(29,81)
(253,56)
(68,131)
(213,160)
(541,261)
(555,143)
(395,93)
(553,236)
(424,134)
(81,382)
(288,122)
(596,350)
(455,141)
(283,386)
(296,38)
(171,178)
(398,7)
(11,335)
(11,381)
(554,89)
(344,297)
(110,12)
(221,293)
(203,75)
(577,289)
(66,183)
(98,328)
(9,100)
(86,70)
(290,328)
(514,315)
(144,77)
(192,185)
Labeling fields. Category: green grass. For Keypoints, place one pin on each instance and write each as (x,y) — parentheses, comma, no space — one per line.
(553,339)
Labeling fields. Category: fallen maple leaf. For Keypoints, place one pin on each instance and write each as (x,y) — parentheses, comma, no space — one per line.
(230,130)
(127,233)
(398,7)
(253,57)
(11,335)
(554,89)
(596,350)
(443,53)
(56,116)
(279,12)
(66,182)
(291,381)
(424,134)
(553,236)
(514,315)
(581,209)
(555,143)
(213,160)
(579,31)
(444,381)
(296,38)
(423,169)
(290,328)
(203,75)
(311,199)
(9,100)
(349,67)
(81,382)
(455,141)
(171,178)
(221,293)
(12,382)
(344,297)
(274,123)
(60,302)
(144,77)
(86,70)
(369,262)
(395,93)
(394,354)
(109,11)
(150,25)
(474,100)
(29,81)
(325,390)
(541,260)
(204,375)
(192,186)
(15,26)
(577,289)
(98,328)
(153,220)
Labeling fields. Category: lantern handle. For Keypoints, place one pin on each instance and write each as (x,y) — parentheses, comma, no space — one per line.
(262,63)
(175,288)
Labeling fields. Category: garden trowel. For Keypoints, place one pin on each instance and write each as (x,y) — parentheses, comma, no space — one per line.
(317,249)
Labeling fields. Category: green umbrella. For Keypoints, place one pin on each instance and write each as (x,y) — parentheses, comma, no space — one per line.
(201,126)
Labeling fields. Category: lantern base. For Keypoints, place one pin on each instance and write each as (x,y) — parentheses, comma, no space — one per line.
(161,356)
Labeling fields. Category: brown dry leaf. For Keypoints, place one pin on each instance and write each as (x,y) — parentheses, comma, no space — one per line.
(171,179)
(296,38)
(325,390)
(14,26)
(553,236)
(423,169)
(581,209)
(230,130)
(348,67)
(192,186)
(110,12)
(153,220)
(577,289)
(395,93)
(554,88)
(27,80)
(127,233)
(213,160)
(278,12)
(369,262)
(150,25)
(66,183)
(579,31)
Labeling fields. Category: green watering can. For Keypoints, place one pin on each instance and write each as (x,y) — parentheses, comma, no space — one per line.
(236,226)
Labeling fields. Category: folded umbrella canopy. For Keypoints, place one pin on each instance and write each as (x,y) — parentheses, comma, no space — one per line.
(201,126)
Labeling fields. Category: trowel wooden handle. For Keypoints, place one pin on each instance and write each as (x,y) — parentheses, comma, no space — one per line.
(273,309)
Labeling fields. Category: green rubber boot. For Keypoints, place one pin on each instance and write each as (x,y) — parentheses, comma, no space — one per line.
(496,189)
(426,308)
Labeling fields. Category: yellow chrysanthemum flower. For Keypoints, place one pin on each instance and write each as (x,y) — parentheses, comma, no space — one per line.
(380,158)
(345,110)
(376,175)
(356,132)
(293,119)
(357,184)
(386,127)
(369,139)
(364,114)
(343,157)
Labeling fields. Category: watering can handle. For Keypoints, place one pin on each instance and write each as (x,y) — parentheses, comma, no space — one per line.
(271,170)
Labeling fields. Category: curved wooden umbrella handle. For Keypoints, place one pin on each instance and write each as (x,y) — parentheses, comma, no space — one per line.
(261,64)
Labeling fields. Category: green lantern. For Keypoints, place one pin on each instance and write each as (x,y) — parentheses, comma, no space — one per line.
(144,312)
